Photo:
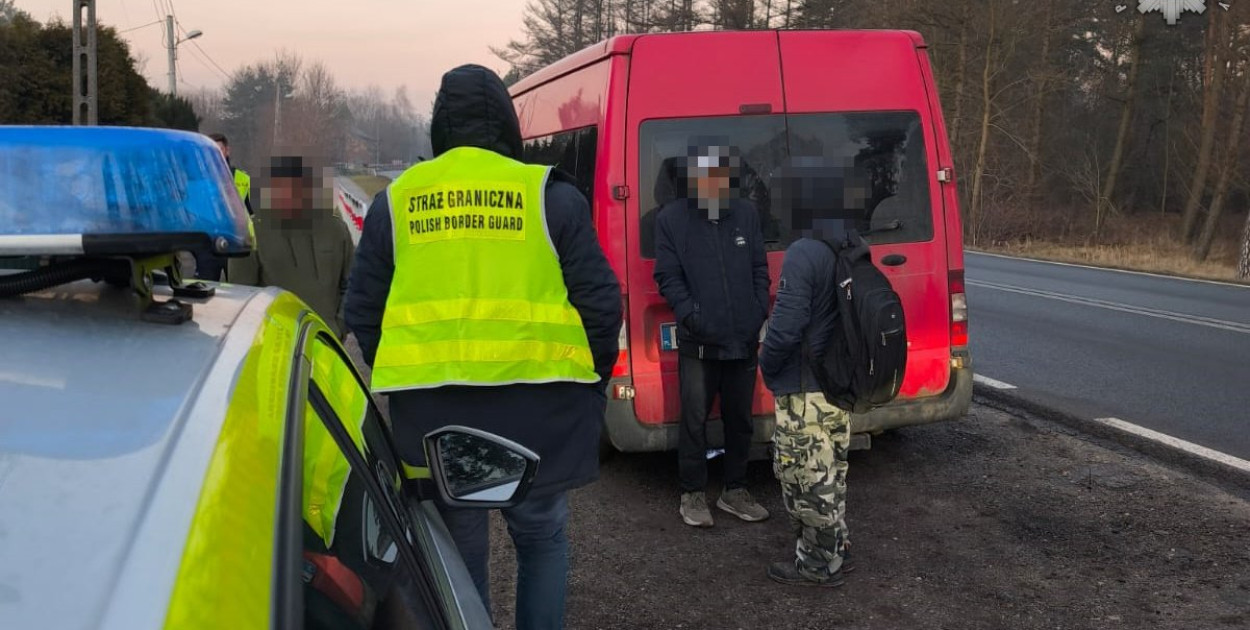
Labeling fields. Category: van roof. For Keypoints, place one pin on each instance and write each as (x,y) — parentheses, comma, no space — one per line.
(98,432)
(624,44)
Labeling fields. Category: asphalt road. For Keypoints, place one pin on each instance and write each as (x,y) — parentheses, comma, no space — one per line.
(1168,354)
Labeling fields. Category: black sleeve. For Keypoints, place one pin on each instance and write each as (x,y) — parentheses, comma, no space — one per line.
(370,281)
(668,274)
(759,263)
(592,285)
(791,313)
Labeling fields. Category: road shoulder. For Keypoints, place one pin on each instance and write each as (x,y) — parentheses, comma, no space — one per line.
(997,520)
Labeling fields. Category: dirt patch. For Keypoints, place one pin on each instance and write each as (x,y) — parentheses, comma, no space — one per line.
(989,522)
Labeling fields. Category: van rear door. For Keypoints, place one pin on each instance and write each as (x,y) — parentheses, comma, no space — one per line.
(861,100)
(683,76)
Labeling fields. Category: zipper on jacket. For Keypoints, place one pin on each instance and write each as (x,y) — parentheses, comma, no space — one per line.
(724,278)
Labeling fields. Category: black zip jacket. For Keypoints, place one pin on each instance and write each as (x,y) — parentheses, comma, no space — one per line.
(714,275)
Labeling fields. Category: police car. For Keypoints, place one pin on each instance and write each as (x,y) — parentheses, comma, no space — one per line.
(194,455)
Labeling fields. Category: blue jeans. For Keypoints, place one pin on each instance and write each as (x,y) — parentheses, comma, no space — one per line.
(542,551)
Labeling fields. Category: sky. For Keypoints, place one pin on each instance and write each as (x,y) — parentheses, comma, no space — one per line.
(388,43)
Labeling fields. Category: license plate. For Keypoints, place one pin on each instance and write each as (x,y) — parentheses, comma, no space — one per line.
(668,336)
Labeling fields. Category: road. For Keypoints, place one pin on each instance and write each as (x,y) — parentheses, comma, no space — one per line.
(989,522)
(1168,354)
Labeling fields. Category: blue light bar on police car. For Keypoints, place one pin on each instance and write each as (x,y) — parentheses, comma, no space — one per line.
(116,191)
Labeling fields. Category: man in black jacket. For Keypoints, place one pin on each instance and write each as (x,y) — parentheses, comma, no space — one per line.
(711,269)
(812,437)
(558,420)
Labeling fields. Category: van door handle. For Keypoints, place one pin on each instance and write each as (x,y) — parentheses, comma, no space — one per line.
(894,260)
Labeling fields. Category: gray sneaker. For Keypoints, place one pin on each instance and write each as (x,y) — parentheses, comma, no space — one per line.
(740,503)
(694,510)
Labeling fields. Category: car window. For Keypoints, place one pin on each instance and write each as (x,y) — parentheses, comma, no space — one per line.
(355,525)
(664,146)
(570,151)
(884,150)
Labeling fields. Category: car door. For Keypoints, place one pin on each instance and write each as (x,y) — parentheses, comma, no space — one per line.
(365,558)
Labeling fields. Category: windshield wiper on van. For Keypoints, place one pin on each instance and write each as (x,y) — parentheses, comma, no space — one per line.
(889,226)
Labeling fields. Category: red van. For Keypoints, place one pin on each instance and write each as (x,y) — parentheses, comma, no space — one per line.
(619,114)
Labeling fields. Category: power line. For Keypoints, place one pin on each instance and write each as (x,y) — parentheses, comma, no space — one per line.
(211,65)
(135,28)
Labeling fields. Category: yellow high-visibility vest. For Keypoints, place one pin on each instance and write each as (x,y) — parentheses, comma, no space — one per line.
(243,183)
(478,295)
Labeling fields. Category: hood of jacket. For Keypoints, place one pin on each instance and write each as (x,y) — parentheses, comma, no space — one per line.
(473,109)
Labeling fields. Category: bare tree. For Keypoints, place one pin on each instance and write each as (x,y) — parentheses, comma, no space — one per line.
(1106,199)
(1211,96)
(1235,136)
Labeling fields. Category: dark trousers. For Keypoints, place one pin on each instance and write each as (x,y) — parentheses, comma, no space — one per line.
(542,554)
(702,380)
(208,266)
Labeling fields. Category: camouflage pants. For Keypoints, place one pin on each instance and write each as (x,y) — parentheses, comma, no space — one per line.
(810,447)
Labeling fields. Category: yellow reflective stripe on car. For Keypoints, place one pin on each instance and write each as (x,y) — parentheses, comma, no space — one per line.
(346,396)
(325,468)
(224,578)
(416,472)
(325,477)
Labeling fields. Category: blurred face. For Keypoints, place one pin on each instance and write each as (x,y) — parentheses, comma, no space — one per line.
(225,150)
(289,196)
(713,182)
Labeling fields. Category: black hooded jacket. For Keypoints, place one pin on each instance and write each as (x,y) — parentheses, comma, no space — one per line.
(559,421)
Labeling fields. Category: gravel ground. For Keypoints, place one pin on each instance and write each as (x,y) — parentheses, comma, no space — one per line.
(990,522)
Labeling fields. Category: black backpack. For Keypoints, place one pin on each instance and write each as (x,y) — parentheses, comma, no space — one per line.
(863,363)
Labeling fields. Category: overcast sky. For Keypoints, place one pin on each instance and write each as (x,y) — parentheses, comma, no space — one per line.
(384,42)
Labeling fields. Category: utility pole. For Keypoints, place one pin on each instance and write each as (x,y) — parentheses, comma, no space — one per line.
(85,112)
(172,48)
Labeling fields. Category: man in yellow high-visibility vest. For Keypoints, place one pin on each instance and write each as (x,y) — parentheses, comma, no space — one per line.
(480,293)
(207,265)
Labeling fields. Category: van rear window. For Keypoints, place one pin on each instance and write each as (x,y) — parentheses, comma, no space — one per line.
(885,150)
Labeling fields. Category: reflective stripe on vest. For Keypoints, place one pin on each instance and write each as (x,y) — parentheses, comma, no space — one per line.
(478,295)
(227,563)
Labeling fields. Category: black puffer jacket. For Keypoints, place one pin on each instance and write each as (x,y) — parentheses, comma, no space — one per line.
(714,275)
(559,421)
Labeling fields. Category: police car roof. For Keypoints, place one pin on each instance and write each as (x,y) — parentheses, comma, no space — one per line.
(106,429)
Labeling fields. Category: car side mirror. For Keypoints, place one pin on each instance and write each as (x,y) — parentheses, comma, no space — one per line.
(476,469)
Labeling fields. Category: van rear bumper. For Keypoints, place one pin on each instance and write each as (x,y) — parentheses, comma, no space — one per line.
(629,435)
(951,404)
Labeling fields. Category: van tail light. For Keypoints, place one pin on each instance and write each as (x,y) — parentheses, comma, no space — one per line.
(622,356)
(959,310)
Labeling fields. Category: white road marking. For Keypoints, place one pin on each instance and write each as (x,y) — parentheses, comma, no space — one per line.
(989,382)
(1116,306)
(1188,447)
(1136,273)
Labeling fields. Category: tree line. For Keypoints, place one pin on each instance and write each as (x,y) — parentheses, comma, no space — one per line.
(1066,117)
(290,104)
(36,78)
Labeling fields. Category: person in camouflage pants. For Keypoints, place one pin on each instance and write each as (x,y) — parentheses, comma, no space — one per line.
(810,446)
(812,435)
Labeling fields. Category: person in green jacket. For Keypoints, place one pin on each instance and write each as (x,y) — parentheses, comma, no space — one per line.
(301,246)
